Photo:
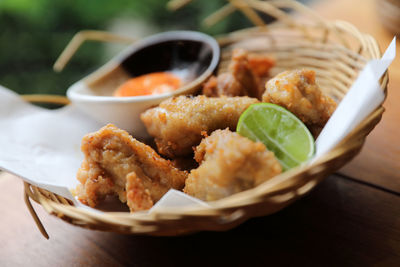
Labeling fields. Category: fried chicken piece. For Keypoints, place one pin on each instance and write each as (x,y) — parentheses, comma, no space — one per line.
(241,70)
(229,163)
(297,91)
(178,123)
(260,65)
(224,84)
(243,76)
(115,163)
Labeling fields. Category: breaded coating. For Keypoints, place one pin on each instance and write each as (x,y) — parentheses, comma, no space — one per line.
(115,163)
(224,84)
(179,123)
(137,196)
(229,163)
(297,91)
(243,77)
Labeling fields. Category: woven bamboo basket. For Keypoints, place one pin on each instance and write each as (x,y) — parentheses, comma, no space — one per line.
(336,50)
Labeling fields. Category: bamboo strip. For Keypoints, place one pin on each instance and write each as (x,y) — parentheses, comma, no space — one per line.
(82,37)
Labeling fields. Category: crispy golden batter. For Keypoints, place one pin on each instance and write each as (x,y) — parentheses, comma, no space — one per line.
(229,163)
(115,162)
(243,77)
(178,123)
(137,196)
(224,84)
(298,92)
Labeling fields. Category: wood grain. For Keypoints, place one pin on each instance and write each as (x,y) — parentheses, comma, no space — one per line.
(378,163)
(342,222)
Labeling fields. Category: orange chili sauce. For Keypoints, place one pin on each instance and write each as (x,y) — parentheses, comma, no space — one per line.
(149,84)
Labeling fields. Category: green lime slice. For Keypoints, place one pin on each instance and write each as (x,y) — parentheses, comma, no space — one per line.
(280,131)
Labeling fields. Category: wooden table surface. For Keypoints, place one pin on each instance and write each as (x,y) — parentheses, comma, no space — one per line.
(351,218)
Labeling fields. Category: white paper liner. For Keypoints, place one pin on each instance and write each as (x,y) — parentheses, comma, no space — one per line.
(363,97)
(43,146)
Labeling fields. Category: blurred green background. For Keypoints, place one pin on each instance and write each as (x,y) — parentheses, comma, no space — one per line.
(33,33)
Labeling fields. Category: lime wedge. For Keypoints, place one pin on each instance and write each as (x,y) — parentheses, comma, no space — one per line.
(280,131)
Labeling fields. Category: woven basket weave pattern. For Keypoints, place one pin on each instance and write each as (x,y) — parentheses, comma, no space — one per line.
(337,51)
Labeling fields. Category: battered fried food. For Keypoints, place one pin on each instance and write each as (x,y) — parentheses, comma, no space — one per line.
(178,123)
(117,164)
(298,92)
(224,84)
(229,163)
(243,77)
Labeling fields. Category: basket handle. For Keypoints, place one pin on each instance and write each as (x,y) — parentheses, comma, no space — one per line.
(87,35)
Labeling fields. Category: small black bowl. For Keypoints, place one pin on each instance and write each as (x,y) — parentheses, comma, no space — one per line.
(177,51)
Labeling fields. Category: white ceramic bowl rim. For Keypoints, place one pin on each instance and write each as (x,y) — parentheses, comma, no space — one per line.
(73,93)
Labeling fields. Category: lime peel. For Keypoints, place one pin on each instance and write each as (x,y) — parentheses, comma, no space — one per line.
(280,131)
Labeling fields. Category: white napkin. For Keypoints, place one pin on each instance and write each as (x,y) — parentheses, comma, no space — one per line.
(363,97)
(42,146)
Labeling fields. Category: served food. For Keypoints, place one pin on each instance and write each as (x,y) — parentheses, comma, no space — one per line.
(297,91)
(245,76)
(149,84)
(229,163)
(117,164)
(206,159)
(179,123)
